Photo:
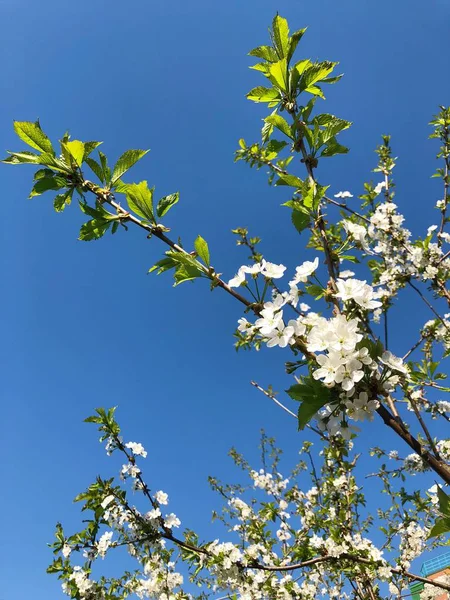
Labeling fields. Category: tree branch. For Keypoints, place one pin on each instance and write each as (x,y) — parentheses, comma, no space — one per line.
(437,466)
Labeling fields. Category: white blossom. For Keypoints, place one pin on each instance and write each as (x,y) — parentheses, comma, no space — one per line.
(305,270)
(161,497)
(171,521)
(136,449)
(380,187)
(343,195)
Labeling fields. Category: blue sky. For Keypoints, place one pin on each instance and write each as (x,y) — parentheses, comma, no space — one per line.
(83,325)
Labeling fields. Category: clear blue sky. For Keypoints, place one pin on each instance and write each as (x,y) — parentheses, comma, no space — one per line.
(82,324)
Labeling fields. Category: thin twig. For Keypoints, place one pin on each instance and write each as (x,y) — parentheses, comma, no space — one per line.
(416,345)
(424,426)
(272,397)
(347,208)
(430,306)
(108,197)
(438,467)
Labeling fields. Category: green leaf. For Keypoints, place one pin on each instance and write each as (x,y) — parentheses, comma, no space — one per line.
(99,212)
(314,74)
(264,94)
(266,131)
(315,91)
(96,168)
(444,501)
(263,67)
(76,150)
(50,161)
(93,230)
(312,193)
(315,290)
(293,42)
(41,173)
(290,180)
(300,220)
(162,265)
(32,134)
(62,200)
(348,257)
(333,148)
(264,52)
(45,184)
(281,124)
(296,72)
(186,273)
(89,147)
(125,162)
(139,198)
(441,526)
(166,203)
(307,410)
(278,74)
(333,125)
(201,247)
(313,396)
(185,259)
(280,36)
(332,79)
(276,146)
(18,158)
(307,110)
(105,168)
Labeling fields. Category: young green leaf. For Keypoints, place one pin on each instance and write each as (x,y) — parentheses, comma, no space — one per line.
(300,220)
(41,173)
(264,94)
(106,170)
(293,42)
(56,164)
(316,73)
(99,212)
(47,183)
(185,273)
(444,501)
(183,258)
(280,123)
(139,198)
(276,146)
(332,148)
(280,36)
(278,74)
(264,52)
(166,203)
(93,230)
(125,162)
(201,247)
(165,264)
(333,127)
(17,158)
(312,395)
(32,134)
(96,168)
(76,149)
(290,180)
(315,290)
(62,200)
(307,410)
(89,147)
(441,526)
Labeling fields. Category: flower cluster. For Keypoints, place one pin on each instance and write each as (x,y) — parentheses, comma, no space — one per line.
(266,269)
(413,538)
